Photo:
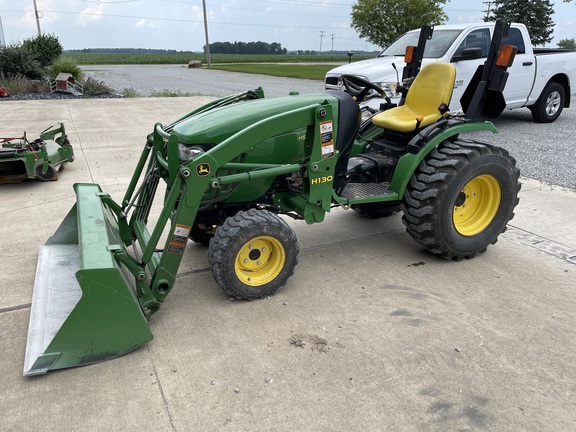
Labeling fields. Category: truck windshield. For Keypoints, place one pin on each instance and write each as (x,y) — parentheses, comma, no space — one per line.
(435,47)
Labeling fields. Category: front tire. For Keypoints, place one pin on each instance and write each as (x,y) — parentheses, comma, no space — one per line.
(550,103)
(253,254)
(460,198)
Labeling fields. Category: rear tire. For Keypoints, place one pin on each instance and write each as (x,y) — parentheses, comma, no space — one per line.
(550,103)
(460,198)
(253,254)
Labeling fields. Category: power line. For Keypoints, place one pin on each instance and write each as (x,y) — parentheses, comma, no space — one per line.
(297,13)
(169,19)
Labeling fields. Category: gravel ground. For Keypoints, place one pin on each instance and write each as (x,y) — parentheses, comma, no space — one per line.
(145,79)
(546,152)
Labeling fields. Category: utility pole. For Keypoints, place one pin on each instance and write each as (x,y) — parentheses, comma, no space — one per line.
(2,38)
(37,18)
(332,36)
(205,34)
(321,36)
(488,4)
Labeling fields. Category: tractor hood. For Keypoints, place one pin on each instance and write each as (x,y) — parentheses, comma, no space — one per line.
(216,125)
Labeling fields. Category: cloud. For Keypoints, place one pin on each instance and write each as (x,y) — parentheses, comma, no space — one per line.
(145,23)
(89,15)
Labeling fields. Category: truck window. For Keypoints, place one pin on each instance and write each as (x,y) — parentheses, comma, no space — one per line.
(515,38)
(435,47)
(476,39)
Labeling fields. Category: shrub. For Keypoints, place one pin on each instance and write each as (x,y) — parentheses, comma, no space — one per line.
(93,87)
(45,48)
(15,60)
(171,93)
(15,84)
(130,93)
(67,67)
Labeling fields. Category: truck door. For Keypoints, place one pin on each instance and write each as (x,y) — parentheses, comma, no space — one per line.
(465,69)
(522,71)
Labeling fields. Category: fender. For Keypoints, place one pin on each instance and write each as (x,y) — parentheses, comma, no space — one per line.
(426,141)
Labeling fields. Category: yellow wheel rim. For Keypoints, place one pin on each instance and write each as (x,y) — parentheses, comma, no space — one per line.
(260,261)
(477,205)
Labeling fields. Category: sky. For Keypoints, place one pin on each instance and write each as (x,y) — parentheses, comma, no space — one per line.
(319,25)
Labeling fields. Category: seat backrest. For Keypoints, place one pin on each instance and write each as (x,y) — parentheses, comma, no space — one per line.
(348,124)
(433,85)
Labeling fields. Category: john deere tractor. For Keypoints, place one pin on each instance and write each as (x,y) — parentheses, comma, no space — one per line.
(235,166)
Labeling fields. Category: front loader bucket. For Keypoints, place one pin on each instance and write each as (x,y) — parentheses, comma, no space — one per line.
(84,307)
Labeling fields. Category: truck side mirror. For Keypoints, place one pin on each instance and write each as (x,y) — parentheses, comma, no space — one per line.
(468,54)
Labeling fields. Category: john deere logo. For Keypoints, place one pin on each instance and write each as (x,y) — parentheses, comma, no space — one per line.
(203,169)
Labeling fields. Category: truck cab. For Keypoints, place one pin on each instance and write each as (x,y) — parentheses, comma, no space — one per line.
(466,47)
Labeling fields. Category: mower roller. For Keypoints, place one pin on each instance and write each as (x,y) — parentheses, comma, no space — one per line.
(233,166)
(40,159)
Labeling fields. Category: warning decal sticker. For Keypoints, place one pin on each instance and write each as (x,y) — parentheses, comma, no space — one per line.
(327,139)
(179,239)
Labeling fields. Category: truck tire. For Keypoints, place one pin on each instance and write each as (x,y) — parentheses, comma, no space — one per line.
(253,254)
(460,198)
(550,103)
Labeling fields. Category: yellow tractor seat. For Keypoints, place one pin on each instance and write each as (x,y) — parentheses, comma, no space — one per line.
(432,87)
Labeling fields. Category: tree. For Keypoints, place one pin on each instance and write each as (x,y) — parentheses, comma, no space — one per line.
(381,22)
(567,43)
(536,15)
(45,48)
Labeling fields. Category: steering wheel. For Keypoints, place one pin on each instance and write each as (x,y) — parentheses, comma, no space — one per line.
(359,87)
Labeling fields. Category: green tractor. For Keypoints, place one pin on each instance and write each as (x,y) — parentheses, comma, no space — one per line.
(235,165)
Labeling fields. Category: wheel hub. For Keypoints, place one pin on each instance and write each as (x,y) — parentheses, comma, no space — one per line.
(476,205)
(553,103)
(260,260)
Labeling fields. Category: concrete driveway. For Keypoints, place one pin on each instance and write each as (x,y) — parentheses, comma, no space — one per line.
(370,334)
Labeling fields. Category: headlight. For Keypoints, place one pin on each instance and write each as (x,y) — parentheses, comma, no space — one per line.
(390,88)
(188,152)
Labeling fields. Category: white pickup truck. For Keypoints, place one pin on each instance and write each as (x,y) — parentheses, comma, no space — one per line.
(542,80)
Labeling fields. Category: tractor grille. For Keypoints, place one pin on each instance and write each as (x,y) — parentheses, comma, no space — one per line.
(366,190)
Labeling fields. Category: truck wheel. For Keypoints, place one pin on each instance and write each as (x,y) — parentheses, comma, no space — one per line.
(550,103)
(253,254)
(460,198)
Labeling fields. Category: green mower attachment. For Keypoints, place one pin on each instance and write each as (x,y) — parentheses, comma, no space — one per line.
(40,159)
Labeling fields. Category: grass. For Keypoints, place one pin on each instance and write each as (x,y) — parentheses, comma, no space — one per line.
(170,93)
(313,72)
(130,93)
(291,65)
(183,58)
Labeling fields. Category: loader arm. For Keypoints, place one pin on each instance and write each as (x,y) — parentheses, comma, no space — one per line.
(189,181)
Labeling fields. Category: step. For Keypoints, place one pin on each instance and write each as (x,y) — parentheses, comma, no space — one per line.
(359,191)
